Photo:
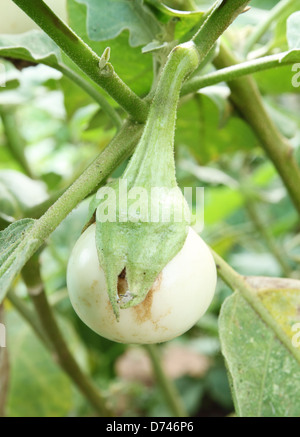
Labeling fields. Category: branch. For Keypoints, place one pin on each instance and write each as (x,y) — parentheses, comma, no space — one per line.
(254,214)
(219,17)
(91,91)
(265,24)
(166,385)
(247,99)
(30,318)
(235,71)
(31,276)
(242,285)
(84,57)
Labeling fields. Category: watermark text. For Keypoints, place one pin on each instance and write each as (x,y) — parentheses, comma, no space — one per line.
(296,77)
(159,204)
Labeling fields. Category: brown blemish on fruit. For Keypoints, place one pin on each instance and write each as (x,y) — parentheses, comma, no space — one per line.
(94,285)
(85,301)
(143,310)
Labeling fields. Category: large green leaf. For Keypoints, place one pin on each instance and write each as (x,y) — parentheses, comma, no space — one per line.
(293,30)
(282,35)
(133,67)
(15,245)
(106,19)
(200,128)
(33,46)
(278,80)
(184,21)
(9,76)
(265,376)
(38,388)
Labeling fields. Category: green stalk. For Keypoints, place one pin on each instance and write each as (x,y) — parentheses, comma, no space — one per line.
(33,280)
(91,91)
(167,387)
(261,29)
(234,72)
(219,17)
(239,284)
(14,141)
(84,57)
(247,99)
(30,318)
(267,236)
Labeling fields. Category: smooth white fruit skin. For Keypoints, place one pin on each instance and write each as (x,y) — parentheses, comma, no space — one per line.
(179,297)
(14,20)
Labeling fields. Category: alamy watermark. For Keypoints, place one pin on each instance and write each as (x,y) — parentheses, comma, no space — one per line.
(296,337)
(2,335)
(159,204)
(296,77)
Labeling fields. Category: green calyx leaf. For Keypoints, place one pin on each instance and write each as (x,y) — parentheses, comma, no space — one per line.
(142,219)
(134,248)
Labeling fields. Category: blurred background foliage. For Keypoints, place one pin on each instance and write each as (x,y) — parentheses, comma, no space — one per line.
(50,130)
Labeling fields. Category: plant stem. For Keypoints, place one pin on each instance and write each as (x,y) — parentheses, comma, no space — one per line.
(33,280)
(239,283)
(84,57)
(166,385)
(247,99)
(219,17)
(235,71)
(30,318)
(264,231)
(14,141)
(91,91)
(265,24)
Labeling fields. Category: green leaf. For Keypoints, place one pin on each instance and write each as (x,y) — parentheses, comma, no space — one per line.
(38,388)
(278,80)
(280,40)
(12,255)
(32,46)
(265,376)
(291,56)
(9,76)
(283,305)
(184,21)
(107,19)
(134,69)
(293,30)
(203,126)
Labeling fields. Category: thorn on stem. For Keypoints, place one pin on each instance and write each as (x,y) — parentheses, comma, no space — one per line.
(247,8)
